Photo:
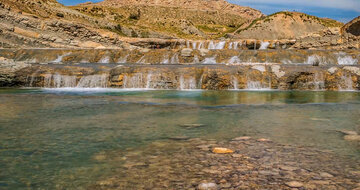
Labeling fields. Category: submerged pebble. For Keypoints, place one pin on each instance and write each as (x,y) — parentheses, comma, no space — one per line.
(219,150)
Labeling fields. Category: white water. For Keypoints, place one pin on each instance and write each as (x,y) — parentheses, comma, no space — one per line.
(315,59)
(187,83)
(230,45)
(194,45)
(264,45)
(319,81)
(133,81)
(60,58)
(209,60)
(196,59)
(105,60)
(142,60)
(93,81)
(66,81)
(123,59)
(175,59)
(257,85)
(219,45)
(201,45)
(211,45)
(165,59)
(344,59)
(148,81)
(346,83)
(234,60)
(235,83)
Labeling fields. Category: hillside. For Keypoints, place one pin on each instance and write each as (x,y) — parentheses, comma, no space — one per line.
(195,19)
(285,25)
(47,23)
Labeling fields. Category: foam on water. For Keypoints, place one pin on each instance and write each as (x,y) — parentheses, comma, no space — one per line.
(344,59)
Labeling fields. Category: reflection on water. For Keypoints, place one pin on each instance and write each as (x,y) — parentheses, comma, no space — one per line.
(49,137)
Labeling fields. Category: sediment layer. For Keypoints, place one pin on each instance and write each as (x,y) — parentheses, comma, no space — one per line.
(181,69)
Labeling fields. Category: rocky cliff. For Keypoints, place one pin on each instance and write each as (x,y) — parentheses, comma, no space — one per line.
(171,19)
(286,25)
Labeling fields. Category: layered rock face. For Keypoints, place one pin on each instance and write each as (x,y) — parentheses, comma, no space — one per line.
(286,25)
(185,69)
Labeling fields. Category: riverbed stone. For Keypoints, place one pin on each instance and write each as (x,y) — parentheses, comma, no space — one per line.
(220,150)
(186,52)
(294,184)
(244,138)
(326,175)
(207,186)
(352,137)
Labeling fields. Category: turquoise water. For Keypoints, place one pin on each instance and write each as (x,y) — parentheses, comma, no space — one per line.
(49,137)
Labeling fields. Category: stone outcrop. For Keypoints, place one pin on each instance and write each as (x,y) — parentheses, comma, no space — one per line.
(352,28)
(214,70)
(285,25)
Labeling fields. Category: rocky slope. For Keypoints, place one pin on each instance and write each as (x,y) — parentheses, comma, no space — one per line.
(286,25)
(46,23)
(172,19)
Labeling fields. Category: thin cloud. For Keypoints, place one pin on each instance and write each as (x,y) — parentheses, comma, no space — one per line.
(353,5)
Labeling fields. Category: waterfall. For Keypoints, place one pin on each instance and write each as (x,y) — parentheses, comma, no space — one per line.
(194,45)
(319,81)
(209,60)
(165,59)
(344,59)
(235,83)
(346,83)
(315,60)
(196,59)
(60,58)
(134,81)
(257,85)
(93,81)
(201,45)
(175,59)
(187,44)
(187,84)
(67,81)
(148,81)
(105,59)
(236,44)
(123,59)
(264,45)
(220,45)
(142,60)
(234,60)
(59,81)
(230,45)
(211,45)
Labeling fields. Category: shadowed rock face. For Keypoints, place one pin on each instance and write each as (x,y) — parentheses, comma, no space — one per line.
(353,27)
(214,70)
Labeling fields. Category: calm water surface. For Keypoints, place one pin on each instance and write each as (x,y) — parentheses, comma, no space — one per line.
(48,137)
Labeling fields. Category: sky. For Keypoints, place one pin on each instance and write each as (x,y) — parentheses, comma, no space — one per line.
(341,10)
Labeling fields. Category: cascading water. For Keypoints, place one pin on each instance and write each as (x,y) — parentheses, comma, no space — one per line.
(175,59)
(66,81)
(196,59)
(194,45)
(93,81)
(220,45)
(134,81)
(235,83)
(165,59)
(105,60)
(209,60)
(346,83)
(211,45)
(344,59)
(319,81)
(148,81)
(123,59)
(187,83)
(142,60)
(201,45)
(264,45)
(60,58)
(230,45)
(234,60)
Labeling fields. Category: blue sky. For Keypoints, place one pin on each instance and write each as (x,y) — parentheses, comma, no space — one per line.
(342,10)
